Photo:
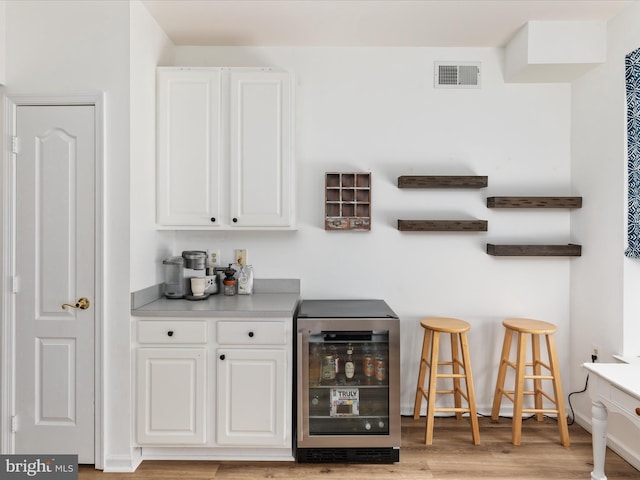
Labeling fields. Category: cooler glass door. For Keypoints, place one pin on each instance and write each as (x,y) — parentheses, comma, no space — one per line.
(348,376)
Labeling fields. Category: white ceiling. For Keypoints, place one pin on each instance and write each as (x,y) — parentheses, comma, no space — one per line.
(437,23)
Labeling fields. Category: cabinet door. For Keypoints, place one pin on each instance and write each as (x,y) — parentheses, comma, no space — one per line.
(252,399)
(171,396)
(261,149)
(189,146)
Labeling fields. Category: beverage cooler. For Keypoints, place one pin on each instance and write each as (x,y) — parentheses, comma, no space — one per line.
(348,382)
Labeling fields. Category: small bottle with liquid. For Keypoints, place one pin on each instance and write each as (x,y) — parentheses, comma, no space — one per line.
(349,365)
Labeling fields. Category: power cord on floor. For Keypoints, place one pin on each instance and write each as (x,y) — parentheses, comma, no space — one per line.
(594,357)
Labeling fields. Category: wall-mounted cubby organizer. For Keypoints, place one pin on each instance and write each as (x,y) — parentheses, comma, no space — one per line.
(534,202)
(442,181)
(442,225)
(347,201)
(569,250)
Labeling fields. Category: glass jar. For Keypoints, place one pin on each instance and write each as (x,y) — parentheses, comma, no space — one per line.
(328,369)
(229,286)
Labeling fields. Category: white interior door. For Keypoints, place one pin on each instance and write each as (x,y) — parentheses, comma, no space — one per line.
(54,264)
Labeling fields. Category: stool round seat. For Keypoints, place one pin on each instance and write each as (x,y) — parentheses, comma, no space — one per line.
(445,325)
(529,325)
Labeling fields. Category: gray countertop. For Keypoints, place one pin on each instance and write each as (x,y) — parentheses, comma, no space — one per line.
(255,305)
(273,302)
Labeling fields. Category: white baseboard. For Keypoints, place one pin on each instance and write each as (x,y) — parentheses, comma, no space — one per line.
(123,463)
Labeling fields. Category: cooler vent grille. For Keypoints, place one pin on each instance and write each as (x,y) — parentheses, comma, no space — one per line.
(348,455)
(457,75)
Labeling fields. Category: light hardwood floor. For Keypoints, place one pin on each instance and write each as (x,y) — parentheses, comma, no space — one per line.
(451,457)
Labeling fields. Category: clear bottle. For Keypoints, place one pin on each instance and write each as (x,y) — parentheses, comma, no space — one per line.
(229,286)
(333,350)
(328,369)
(349,365)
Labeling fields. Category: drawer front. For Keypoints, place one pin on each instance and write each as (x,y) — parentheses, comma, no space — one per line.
(172,332)
(626,402)
(252,333)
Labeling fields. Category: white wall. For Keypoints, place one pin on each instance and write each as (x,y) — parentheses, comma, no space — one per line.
(65,48)
(375,109)
(605,305)
(3,42)
(150,47)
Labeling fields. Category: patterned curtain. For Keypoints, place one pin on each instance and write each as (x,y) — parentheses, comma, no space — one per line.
(632,78)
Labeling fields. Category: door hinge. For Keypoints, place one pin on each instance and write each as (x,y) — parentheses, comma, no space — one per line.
(15,284)
(14,144)
(14,424)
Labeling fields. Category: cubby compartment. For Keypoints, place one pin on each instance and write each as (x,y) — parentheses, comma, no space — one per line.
(347,201)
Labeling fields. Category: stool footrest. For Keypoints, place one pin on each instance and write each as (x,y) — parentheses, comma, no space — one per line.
(451,375)
(539,410)
(528,365)
(510,393)
(425,393)
(452,409)
(538,377)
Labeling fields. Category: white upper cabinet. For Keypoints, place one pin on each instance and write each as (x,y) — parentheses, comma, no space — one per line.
(225,148)
(260,149)
(190,148)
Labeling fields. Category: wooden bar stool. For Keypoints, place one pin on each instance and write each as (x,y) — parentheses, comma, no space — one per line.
(523,327)
(460,369)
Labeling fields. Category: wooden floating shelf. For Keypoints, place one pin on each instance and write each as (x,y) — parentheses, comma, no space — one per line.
(442,225)
(442,181)
(534,202)
(569,250)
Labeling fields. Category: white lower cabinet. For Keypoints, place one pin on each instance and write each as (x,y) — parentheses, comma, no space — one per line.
(171,396)
(221,385)
(251,407)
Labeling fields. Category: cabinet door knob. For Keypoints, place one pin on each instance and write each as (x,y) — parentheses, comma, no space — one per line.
(213,219)
(638,411)
(170,333)
(251,334)
(235,220)
(222,357)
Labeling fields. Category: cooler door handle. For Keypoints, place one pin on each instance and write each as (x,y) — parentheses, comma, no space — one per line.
(300,392)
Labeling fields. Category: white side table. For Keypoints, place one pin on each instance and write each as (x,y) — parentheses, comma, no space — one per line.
(613,387)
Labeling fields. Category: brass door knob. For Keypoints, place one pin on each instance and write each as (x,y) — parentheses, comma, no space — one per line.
(82,303)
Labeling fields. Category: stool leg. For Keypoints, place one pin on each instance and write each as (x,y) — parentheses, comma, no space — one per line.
(557,389)
(426,342)
(518,395)
(502,374)
(455,367)
(431,394)
(466,362)
(537,371)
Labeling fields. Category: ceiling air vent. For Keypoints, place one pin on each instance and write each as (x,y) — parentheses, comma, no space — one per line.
(457,75)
